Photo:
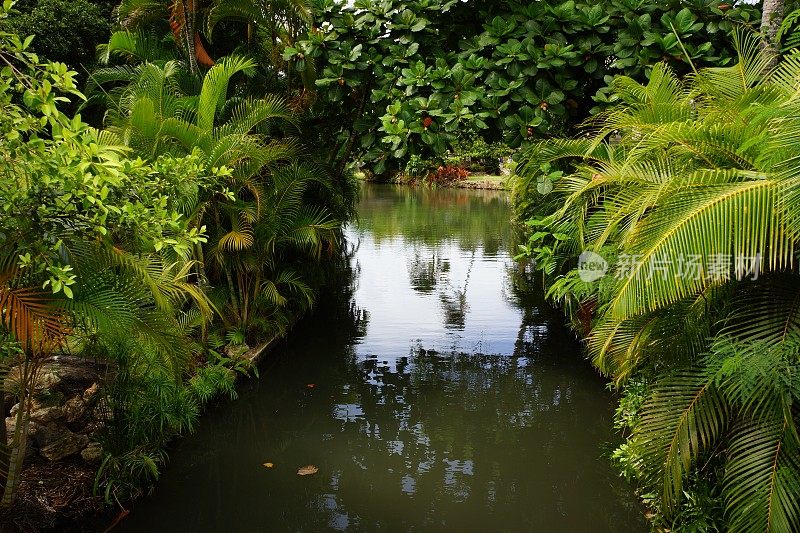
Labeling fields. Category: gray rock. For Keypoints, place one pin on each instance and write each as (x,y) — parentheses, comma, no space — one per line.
(93,453)
(46,434)
(11,425)
(69,444)
(46,380)
(74,373)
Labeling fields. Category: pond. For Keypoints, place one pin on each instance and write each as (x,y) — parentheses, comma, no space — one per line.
(432,388)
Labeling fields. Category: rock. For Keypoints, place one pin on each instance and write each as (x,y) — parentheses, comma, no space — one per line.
(46,380)
(47,434)
(74,373)
(93,453)
(69,444)
(90,394)
(74,408)
(11,424)
(45,415)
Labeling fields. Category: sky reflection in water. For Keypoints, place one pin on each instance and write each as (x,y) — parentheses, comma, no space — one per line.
(446,396)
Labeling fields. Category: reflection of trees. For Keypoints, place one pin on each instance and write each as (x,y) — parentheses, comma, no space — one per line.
(337,300)
(444,430)
(483,442)
(454,301)
(468,217)
(424,272)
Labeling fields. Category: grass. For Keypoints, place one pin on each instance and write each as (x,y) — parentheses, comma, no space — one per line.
(486,177)
(473,178)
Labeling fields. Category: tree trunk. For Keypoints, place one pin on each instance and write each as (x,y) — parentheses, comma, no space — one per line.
(5,449)
(771,18)
(188,32)
(19,442)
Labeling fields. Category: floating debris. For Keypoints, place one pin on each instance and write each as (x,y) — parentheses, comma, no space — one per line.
(307,470)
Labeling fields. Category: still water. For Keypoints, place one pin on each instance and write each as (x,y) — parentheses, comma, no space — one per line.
(433,389)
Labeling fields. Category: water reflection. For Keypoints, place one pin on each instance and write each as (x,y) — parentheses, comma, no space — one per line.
(446,396)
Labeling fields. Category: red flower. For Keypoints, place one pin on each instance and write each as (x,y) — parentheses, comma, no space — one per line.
(427,121)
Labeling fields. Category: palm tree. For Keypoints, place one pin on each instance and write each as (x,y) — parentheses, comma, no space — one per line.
(691,189)
(258,217)
(37,328)
(182,16)
(771,19)
(278,23)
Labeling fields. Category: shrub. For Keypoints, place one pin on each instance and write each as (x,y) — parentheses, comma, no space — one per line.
(449,174)
(66,31)
(475,154)
(416,168)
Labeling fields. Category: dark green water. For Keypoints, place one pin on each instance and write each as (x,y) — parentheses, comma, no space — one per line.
(447,397)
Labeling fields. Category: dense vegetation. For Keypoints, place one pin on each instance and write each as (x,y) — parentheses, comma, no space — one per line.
(191,211)
(517,72)
(689,191)
(191,222)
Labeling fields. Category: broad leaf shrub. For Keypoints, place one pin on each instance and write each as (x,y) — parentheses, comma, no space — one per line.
(409,81)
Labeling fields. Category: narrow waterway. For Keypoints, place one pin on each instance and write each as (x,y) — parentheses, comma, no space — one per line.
(432,388)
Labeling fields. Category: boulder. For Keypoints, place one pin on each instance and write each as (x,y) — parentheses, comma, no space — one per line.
(46,434)
(69,444)
(90,394)
(74,409)
(11,424)
(74,373)
(45,415)
(93,453)
(45,380)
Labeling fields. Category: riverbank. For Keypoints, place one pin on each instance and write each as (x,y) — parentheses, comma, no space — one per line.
(473,181)
(483,181)
(57,485)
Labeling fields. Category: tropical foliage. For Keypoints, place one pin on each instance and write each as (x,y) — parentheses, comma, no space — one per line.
(194,217)
(688,192)
(66,31)
(94,248)
(260,223)
(516,72)
(193,222)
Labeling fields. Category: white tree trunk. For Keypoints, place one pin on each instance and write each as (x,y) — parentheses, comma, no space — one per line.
(771,18)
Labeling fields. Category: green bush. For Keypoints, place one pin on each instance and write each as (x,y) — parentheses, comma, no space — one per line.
(476,155)
(532,70)
(66,31)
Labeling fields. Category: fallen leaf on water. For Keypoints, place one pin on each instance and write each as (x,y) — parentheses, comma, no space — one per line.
(268,465)
(307,470)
